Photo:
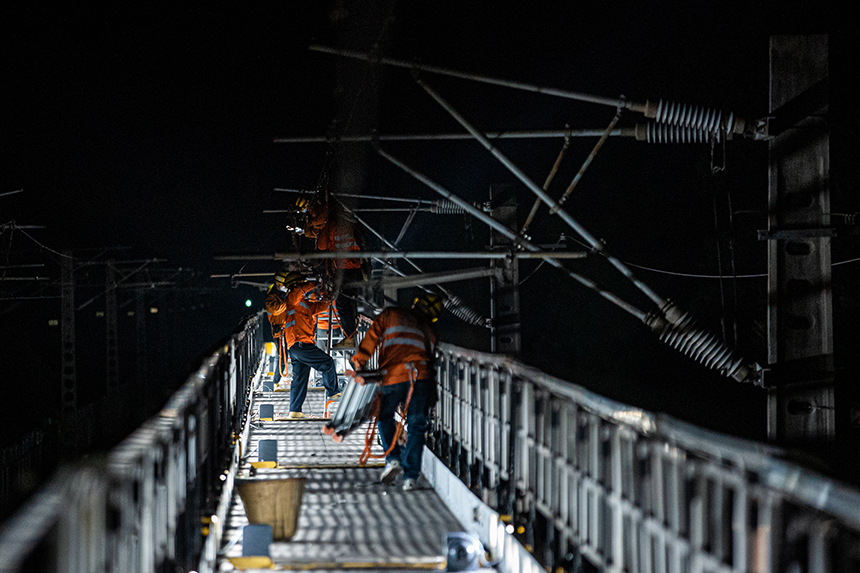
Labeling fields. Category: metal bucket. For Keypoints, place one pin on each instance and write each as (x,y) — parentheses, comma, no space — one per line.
(275,502)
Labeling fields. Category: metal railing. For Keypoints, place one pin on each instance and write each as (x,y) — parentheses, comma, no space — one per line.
(582,480)
(148,504)
(582,476)
(24,462)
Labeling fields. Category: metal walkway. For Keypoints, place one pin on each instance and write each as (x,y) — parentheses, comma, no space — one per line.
(348,519)
(546,475)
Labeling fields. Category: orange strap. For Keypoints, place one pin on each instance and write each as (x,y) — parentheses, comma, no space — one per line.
(282,357)
(334,313)
(370,433)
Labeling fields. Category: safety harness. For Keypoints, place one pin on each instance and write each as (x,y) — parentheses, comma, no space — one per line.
(370,433)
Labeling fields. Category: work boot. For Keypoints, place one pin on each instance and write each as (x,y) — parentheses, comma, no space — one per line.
(390,473)
(298,415)
(336,396)
(347,343)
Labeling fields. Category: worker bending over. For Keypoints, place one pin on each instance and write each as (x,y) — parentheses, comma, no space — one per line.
(289,304)
(406,340)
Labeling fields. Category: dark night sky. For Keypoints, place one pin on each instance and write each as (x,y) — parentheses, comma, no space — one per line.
(152,130)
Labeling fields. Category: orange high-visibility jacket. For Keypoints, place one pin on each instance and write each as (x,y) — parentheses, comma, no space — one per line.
(405,341)
(275,309)
(323,318)
(297,312)
(338,235)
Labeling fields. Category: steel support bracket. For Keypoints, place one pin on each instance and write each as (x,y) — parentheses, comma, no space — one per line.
(810,102)
(801,370)
(793,234)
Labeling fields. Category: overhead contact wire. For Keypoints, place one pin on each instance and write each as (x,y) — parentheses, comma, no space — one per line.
(595,244)
(513,236)
(457,306)
(579,96)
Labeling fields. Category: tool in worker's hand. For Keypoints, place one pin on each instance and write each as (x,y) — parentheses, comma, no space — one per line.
(355,405)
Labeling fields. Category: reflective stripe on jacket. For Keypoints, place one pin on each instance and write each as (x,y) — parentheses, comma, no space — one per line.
(299,323)
(276,309)
(323,318)
(406,344)
(339,236)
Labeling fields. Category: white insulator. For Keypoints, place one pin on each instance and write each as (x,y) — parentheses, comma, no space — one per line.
(445,207)
(702,347)
(455,306)
(693,117)
(666,133)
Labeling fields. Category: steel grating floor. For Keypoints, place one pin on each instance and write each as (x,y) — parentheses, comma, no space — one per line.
(348,520)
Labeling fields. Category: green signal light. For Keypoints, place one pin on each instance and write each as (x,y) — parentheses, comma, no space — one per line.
(248,302)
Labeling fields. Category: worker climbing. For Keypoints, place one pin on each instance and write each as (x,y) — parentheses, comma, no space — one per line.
(406,339)
(335,232)
(290,307)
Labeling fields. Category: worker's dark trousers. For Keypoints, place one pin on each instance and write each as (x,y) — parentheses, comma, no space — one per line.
(305,356)
(416,423)
(347,305)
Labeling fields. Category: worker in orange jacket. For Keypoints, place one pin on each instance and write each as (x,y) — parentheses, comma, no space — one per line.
(334,232)
(323,319)
(291,305)
(406,339)
(276,322)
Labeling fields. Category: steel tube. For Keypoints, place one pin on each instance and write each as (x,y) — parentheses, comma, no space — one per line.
(392,210)
(546,183)
(579,96)
(522,134)
(383,255)
(357,196)
(588,161)
(573,223)
(457,308)
(517,239)
(427,278)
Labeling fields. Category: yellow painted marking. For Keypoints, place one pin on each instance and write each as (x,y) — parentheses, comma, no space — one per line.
(330,466)
(434,565)
(255,562)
